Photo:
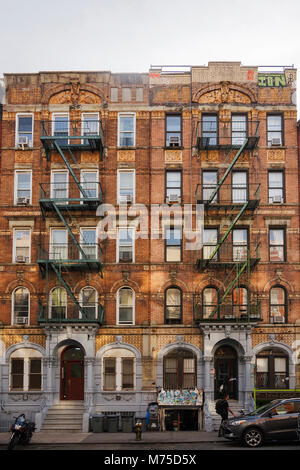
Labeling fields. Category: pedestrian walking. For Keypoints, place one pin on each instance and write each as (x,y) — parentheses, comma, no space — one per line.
(222,408)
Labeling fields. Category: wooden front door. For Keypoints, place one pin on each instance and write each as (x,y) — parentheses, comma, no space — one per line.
(72,374)
(226,379)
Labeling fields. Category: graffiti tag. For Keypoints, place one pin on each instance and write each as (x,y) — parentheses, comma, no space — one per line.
(271,80)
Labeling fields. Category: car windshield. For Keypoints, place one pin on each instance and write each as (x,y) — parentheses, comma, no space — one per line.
(263,408)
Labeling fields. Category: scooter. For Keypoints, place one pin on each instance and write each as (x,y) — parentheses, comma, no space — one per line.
(22,431)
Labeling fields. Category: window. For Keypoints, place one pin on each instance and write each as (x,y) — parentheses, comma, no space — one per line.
(126,136)
(239,187)
(90,125)
(60,186)
(23,187)
(60,128)
(88,302)
(210,298)
(173,130)
(58,304)
(20,306)
(276,187)
(139,94)
(240,301)
(179,370)
(127,373)
(173,240)
(210,241)
(272,370)
(119,370)
(173,306)
(238,129)
(126,186)
(88,243)
(209,184)
(109,373)
(277,244)
(239,244)
(173,186)
(125,245)
(21,246)
(210,129)
(25,370)
(24,130)
(274,130)
(125,299)
(126,94)
(58,244)
(114,94)
(89,183)
(278,305)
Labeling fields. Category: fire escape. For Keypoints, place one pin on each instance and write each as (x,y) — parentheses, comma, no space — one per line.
(67,201)
(232,255)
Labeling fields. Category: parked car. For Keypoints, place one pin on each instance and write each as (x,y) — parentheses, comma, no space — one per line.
(276,421)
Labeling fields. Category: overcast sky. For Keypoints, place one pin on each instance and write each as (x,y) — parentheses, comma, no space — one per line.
(129,35)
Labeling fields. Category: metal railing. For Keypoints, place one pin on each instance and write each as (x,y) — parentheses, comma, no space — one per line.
(60,253)
(69,193)
(229,253)
(69,313)
(64,130)
(227,312)
(228,194)
(226,134)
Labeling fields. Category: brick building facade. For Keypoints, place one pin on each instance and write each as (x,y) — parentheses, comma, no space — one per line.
(131,319)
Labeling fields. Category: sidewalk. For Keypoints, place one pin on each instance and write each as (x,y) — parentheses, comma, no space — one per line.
(116,438)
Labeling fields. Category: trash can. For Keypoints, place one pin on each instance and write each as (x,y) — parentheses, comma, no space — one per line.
(112,423)
(98,423)
(127,423)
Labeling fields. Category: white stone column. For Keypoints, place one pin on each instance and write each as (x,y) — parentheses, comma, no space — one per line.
(90,386)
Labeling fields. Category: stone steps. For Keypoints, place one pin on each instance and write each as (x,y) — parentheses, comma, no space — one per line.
(65,416)
(235,406)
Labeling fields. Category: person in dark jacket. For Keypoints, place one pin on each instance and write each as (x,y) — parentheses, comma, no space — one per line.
(222,408)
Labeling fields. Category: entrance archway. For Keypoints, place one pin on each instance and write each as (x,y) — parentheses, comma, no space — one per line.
(72,373)
(226,372)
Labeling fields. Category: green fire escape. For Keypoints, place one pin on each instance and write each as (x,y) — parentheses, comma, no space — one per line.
(219,202)
(67,201)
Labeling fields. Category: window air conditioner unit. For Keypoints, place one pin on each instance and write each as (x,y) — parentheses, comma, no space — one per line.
(126,198)
(23,200)
(23,141)
(278,319)
(277,199)
(22,320)
(20,259)
(173,198)
(276,142)
(174,141)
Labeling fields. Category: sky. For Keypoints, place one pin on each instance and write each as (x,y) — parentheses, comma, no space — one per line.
(130,35)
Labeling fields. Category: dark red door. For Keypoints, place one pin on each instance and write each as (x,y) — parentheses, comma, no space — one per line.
(72,374)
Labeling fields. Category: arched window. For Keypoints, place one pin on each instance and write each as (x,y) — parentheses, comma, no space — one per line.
(272,369)
(173,305)
(210,299)
(125,299)
(240,302)
(278,305)
(179,370)
(58,303)
(88,302)
(20,305)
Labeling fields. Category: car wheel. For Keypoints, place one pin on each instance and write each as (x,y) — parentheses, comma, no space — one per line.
(253,437)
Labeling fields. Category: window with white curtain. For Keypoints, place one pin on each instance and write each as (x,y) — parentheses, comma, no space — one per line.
(277,305)
(173,306)
(210,301)
(277,244)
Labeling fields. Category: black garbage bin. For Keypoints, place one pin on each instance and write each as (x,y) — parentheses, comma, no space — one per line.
(112,423)
(127,423)
(98,423)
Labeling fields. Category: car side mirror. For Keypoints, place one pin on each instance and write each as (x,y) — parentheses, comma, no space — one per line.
(271,414)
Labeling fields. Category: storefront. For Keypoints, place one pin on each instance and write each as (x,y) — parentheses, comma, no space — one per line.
(180,410)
